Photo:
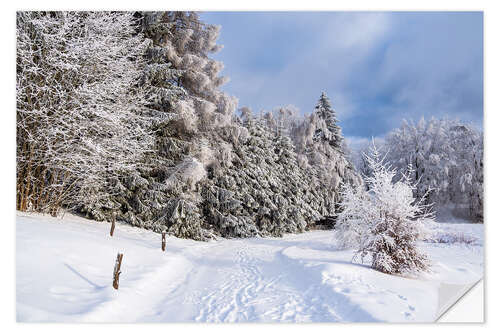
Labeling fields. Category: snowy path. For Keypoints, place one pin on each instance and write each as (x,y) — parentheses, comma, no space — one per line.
(254,281)
(64,271)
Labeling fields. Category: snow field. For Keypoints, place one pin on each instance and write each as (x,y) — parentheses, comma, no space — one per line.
(64,274)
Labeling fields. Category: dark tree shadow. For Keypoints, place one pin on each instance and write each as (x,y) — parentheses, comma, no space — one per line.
(83,277)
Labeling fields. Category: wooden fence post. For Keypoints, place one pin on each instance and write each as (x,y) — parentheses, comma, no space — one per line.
(116,272)
(163,241)
(113,225)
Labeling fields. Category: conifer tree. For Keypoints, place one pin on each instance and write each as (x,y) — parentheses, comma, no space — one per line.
(328,131)
(257,186)
(182,85)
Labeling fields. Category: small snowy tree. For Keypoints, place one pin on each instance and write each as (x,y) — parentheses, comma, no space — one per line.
(386,221)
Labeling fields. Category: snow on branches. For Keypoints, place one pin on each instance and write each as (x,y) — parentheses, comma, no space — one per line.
(80,120)
(385,222)
(447,156)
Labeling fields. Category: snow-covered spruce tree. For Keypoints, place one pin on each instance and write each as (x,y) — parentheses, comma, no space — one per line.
(187,42)
(181,82)
(327,128)
(80,120)
(318,149)
(385,222)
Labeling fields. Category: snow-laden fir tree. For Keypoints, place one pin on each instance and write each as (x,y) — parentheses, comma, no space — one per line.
(182,85)
(327,128)
(186,43)
(384,223)
(317,148)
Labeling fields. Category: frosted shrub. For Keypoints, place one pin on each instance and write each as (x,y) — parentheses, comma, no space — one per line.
(386,221)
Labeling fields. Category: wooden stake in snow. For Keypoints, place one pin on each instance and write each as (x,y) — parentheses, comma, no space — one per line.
(113,225)
(163,241)
(116,273)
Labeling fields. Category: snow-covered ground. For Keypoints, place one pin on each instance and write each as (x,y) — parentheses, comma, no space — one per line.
(64,271)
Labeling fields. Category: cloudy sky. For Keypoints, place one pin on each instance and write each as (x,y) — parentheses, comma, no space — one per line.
(376,67)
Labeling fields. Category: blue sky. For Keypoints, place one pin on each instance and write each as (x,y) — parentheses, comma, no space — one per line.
(376,67)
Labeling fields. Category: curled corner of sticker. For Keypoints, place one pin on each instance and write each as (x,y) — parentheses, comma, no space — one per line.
(449,294)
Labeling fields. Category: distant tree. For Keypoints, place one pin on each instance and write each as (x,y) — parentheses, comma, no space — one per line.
(329,130)
(385,222)
(246,114)
(358,155)
(466,172)
(447,157)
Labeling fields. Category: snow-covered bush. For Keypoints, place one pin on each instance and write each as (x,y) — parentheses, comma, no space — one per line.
(385,222)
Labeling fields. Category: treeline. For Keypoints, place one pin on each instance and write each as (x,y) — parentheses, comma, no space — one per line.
(122,112)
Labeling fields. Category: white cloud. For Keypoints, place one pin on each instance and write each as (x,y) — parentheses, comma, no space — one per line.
(356,31)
